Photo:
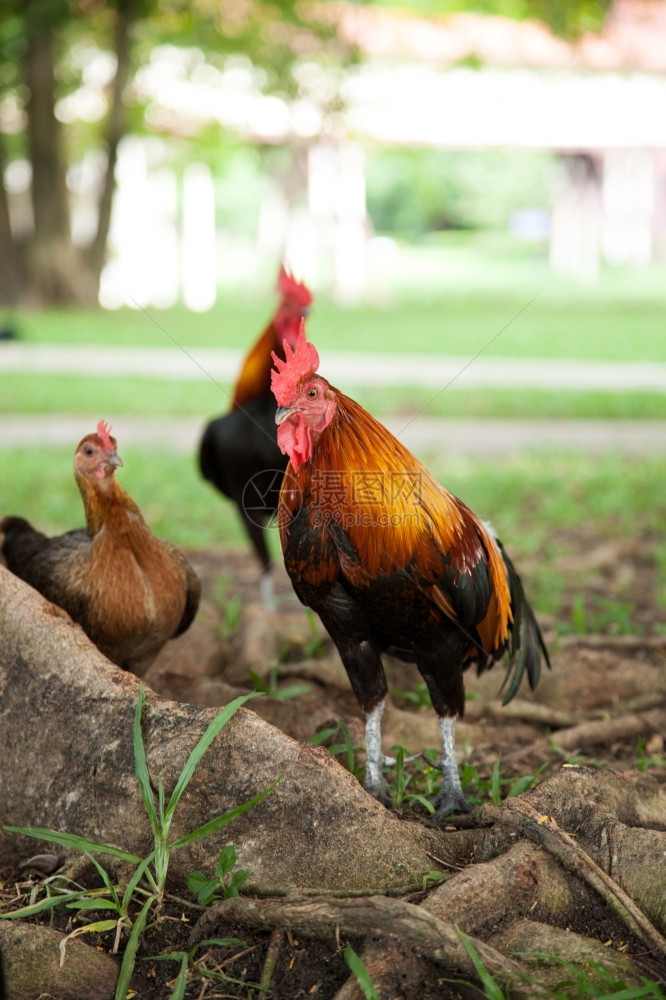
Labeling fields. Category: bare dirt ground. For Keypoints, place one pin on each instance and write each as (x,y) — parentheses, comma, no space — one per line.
(603,703)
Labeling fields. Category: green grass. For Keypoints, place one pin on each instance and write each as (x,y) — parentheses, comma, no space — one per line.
(458,294)
(131,396)
(458,299)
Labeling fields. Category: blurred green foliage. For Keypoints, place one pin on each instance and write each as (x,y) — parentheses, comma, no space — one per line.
(415,191)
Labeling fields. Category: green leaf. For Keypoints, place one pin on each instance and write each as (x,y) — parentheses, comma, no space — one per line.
(133,883)
(239,878)
(292,691)
(202,887)
(94,904)
(368,988)
(180,984)
(222,943)
(215,726)
(131,948)
(259,682)
(105,877)
(413,798)
(75,842)
(44,904)
(226,861)
(195,880)
(491,989)
(520,786)
(320,737)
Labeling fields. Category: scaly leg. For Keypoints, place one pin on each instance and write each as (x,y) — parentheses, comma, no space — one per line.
(450,798)
(375,760)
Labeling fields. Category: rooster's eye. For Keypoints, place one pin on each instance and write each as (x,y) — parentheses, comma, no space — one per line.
(88,450)
(313,393)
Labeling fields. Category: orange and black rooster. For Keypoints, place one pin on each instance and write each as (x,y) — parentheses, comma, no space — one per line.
(129,591)
(392,562)
(238,452)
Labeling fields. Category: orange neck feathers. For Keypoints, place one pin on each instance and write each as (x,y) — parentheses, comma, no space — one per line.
(396,515)
(103,501)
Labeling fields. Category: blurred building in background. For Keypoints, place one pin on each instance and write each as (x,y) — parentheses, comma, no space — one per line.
(466,82)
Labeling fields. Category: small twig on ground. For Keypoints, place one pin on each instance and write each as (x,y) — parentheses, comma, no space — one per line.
(272,955)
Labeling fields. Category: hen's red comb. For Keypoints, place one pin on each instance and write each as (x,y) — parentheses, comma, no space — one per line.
(289,288)
(104,434)
(300,362)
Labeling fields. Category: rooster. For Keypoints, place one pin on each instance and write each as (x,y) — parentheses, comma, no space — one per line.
(392,562)
(238,453)
(128,590)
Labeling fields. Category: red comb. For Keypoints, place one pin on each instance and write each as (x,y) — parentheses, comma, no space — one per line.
(300,362)
(289,288)
(104,434)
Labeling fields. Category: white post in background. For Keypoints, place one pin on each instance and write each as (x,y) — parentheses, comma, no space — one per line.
(322,180)
(628,197)
(575,229)
(350,244)
(143,241)
(199,274)
(336,193)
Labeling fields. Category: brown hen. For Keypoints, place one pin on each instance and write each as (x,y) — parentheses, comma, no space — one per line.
(130,591)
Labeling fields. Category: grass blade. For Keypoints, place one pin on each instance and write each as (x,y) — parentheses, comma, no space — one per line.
(220,821)
(180,984)
(491,990)
(368,988)
(217,724)
(141,764)
(44,904)
(74,841)
(129,958)
(141,870)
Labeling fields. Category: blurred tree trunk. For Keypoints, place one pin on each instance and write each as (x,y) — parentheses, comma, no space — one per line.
(116,129)
(56,271)
(51,260)
(10,272)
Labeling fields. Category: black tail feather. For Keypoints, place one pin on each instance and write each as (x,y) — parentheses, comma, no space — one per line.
(526,646)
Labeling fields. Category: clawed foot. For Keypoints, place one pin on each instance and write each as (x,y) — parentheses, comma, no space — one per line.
(450,801)
(450,797)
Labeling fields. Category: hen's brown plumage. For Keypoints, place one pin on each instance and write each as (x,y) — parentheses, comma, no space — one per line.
(130,591)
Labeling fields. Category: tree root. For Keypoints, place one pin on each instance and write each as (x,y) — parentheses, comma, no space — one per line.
(543,830)
(435,939)
(591,731)
(272,954)
(601,732)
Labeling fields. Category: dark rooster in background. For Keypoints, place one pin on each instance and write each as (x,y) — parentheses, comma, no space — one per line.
(129,591)
(238,452)
(392,562)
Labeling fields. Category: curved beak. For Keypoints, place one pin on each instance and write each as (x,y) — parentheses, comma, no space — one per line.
(113,459)
(284,412)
